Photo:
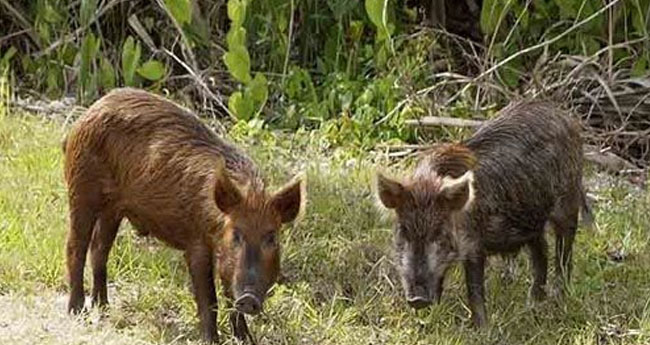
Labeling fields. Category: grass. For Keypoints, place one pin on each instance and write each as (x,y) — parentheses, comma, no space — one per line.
(339,285)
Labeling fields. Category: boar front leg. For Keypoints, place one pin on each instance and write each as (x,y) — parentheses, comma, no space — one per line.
(475,281)
(539,261)
(200,263)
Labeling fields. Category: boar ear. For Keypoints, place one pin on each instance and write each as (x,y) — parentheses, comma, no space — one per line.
(391,193)
(289,200)
(458,193)
(226,194)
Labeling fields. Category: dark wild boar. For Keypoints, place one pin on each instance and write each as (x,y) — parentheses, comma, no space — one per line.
(138,156)
(491,194)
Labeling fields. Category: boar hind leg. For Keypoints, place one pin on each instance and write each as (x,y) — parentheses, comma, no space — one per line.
(239,327)
(565,222)
(475,281)
(100,246)
(539,263)
(83,216)
(201,266)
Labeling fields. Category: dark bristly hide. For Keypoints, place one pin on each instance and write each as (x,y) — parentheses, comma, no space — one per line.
(491,194)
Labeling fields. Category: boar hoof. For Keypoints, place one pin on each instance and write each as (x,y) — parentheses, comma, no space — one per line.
(248,304)
(537,294)
(76,305)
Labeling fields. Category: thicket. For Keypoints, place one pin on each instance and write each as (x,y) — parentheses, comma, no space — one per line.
(355,69)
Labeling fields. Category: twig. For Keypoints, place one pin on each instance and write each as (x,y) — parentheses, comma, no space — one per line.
(28,29)
(547,42)
(443,121)
(187,50)
(139,29)
(76,33)
(290,38)
(201,83)
(14,34)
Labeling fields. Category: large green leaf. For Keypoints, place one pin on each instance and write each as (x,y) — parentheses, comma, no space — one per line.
(130,59)
(237,12)
(87,55)
(181,10)
(492,13)
(240,107)
(6,57)
(375,11)
(153,70)
(107,74)
(568,8)
(88,8)
(641,67)
(236,37)
(641,16)
(88,52)
(239,64)
(258,89)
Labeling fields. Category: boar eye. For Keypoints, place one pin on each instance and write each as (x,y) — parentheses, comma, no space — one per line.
(269,239)
(237,237)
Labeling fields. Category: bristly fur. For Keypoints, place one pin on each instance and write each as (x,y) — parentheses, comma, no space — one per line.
(490,194)
(138,156)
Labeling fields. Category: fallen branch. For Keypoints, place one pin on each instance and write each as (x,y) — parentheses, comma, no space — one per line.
(607,160)
(430,121)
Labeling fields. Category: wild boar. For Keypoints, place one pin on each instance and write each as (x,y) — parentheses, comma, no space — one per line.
(490,194)
(138,156)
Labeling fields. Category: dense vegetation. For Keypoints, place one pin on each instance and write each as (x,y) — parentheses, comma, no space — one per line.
(356,69)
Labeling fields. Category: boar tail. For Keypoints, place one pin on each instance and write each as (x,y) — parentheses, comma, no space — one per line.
(586,215)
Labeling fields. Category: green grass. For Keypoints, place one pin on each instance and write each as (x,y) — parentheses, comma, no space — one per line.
(339,284)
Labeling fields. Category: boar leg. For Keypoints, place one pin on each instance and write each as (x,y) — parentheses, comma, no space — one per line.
(539,262)
(82,221)
(239,327)
(475,281)
(563,254)
(565,222)
(100,246)
(200,263)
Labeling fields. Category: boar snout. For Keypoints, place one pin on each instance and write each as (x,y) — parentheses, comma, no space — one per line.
(418,297)
(248,303)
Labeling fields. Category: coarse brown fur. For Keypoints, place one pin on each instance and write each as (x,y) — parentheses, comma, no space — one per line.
(491,194)
(138,156)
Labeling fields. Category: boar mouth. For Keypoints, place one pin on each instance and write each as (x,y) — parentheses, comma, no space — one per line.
(419,297)
(249,303)
(418,302)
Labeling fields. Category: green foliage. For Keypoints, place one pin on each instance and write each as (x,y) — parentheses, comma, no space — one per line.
(239,63)
(88,8)
(350,67)
(130,60)
(88,55)
(242,104)
(181,10)
(152,70)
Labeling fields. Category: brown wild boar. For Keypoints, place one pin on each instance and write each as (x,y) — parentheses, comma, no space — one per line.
(491,194)
(138,156)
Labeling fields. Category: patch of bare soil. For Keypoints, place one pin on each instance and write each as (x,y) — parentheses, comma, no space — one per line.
(43,320)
